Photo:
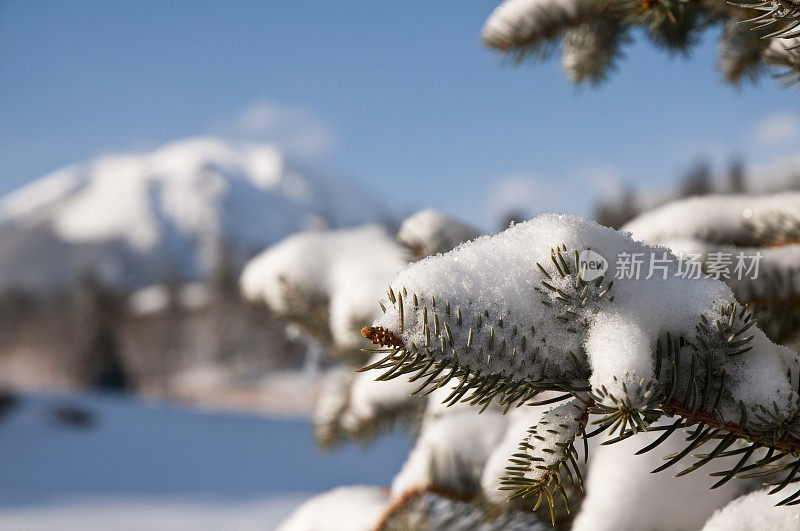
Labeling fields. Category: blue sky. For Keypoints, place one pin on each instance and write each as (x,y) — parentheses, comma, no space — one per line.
(399,96)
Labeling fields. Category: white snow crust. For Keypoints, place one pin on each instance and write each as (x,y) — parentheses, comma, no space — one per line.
(355,508)
(621,493)
(519,421)
(754,512)
(451,452)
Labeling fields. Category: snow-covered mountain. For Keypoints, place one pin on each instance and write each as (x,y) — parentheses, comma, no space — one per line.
(139,218)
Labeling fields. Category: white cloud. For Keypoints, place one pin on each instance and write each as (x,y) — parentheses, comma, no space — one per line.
(778,130)
(600,180)
(294,128)
(524,193)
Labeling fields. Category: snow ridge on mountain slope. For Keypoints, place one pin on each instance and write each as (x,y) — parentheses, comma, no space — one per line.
(135,218)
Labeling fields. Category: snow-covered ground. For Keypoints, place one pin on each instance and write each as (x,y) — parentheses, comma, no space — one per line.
(141,465)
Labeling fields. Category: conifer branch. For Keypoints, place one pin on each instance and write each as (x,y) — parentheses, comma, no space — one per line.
(691,415)
(698,409)
(498,356)
(592,31)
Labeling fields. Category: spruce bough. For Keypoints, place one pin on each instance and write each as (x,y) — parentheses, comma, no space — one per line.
(757,35)
(508,317)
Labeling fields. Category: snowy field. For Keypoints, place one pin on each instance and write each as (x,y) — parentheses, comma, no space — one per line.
(139,465)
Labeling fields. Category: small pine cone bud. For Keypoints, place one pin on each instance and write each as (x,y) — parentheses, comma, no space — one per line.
(381,336)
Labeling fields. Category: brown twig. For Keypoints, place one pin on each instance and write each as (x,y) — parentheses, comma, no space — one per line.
(787,444)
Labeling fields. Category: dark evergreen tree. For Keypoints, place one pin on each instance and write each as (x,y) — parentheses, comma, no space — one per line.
(736,177)
(697,180)
(99,363)
(617,211)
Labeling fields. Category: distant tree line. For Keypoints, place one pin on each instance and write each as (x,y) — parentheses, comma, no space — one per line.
(698,180)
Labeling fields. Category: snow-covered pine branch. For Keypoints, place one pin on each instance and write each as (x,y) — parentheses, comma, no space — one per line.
(426,509)
(450,453)
(547,457)
(594,30)
(528,27)
(783,54)
(429,232)
(742,220)
(509,317)
(327,282)
(741,52)
(355,508)
(362,508)
(591,49)
(354,406)
(704,229)
(782,17)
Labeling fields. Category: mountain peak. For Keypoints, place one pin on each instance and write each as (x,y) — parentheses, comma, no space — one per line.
(168,211)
